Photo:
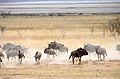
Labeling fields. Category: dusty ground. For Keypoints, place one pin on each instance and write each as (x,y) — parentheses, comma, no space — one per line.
(62,68)
(88,69)
(35,32)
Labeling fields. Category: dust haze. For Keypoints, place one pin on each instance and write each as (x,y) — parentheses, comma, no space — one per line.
(74,31)
(61,58)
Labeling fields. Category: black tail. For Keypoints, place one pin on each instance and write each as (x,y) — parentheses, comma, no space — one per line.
(70,56)
(0,60)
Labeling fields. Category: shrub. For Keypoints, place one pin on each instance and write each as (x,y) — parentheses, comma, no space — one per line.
(113,26)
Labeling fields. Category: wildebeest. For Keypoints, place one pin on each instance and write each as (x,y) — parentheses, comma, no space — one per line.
(90,48)
(12,54)
(22,49)
(118,47)
(78,53)
(8,46)
(50,52)
(1,55)
(54,45)
(101,51)
(62,49)
(12,50)
(20,56)
(37,57)
(58,46)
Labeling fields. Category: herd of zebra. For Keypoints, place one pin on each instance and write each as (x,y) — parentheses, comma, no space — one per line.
(12,51)
(54,48)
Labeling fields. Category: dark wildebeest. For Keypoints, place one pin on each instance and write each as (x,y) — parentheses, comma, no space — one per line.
(58,46)
(50,52)
(101,51)
(78,53)
(20,56)
(54,45)
(1,55)
(37,57)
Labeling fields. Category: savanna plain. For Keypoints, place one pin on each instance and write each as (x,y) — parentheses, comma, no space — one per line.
(74,31)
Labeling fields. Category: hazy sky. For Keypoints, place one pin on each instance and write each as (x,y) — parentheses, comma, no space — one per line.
(51,0)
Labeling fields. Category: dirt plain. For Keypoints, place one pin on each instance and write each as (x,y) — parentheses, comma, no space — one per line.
(35,32)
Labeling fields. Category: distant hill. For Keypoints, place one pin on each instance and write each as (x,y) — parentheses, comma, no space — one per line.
(7,1)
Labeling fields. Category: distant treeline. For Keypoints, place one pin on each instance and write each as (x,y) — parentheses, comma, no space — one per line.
(59,14)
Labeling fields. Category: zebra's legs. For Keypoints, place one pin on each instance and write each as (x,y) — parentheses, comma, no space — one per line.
(14,59)
(103,57)
(98,57)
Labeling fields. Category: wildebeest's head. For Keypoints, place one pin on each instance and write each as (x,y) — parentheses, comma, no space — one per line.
(53,45)
(82,51)
(36,53)
(46,49)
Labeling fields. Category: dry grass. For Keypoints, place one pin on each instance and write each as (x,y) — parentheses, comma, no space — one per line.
(65,29)
(55,22)
(73,31)
(87,69)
